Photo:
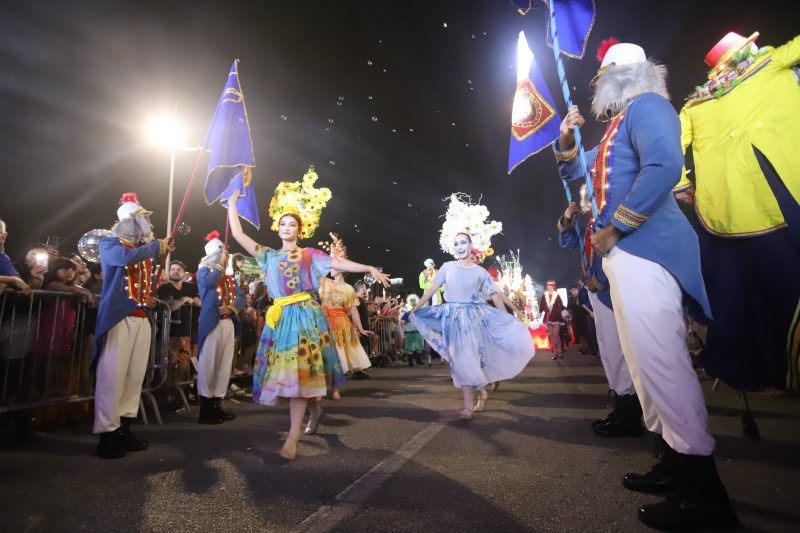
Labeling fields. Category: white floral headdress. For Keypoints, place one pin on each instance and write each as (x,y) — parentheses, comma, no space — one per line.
(465,217)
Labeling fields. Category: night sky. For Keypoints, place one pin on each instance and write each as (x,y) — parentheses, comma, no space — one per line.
(425,89)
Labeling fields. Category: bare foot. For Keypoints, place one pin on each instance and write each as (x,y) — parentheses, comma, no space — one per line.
(289,449)
(482,397)
(466,414)
(313,421)
(336,395)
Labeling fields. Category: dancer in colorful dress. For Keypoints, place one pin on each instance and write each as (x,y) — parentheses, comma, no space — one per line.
(482,344)
(295,357)
(653,269)
(123,330)
(340,304)
(219,319)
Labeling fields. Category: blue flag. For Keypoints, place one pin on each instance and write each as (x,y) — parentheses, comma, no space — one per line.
(534,119)
(574,22)
(231,160)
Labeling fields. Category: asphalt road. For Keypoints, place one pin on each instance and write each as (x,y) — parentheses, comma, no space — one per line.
(392,456)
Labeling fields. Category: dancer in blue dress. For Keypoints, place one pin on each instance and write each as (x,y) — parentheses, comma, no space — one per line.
(483,344)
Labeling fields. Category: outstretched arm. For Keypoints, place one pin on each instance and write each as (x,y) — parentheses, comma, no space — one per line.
(251,246)
(352,266)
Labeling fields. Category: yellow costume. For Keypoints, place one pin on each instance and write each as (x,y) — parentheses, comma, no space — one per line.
(762,110)
(337,301)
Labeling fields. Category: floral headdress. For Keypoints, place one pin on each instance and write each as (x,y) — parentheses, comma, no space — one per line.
(465,217)
(335,247)
(300,198)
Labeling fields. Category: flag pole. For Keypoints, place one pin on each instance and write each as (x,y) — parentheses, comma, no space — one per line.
(562,76)
(179,217)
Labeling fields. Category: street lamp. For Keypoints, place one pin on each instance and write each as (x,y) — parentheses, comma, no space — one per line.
(167,132)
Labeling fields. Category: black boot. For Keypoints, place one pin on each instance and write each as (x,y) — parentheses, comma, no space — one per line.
(112,445)
(208,415)
(627,420)
(701,501)
(663,477)
(410,358)
(611,416)
(224,415)
(132,442)
(418,357)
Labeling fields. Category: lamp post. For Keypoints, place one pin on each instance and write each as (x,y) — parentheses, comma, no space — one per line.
(167,132)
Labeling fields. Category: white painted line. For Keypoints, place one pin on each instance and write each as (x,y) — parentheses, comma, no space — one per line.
(347,502)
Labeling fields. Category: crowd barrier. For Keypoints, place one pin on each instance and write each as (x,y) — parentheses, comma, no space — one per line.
(46,342)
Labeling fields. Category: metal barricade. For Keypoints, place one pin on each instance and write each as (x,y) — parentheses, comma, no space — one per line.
(158,363)
(45,350)
(46,342)
(383,345)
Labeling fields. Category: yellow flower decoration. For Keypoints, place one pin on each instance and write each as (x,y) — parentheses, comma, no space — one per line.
(300,198)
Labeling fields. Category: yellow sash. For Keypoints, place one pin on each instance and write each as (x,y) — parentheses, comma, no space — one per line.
(274,312)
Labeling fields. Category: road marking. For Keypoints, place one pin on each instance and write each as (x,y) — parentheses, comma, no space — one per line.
(348,501)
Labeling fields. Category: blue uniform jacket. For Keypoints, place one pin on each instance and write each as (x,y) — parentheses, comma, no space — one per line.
(207,281)
(569,239)
(115,302)
(643,165)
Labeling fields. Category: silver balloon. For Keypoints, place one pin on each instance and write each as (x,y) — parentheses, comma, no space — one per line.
(368,279)
(89,244)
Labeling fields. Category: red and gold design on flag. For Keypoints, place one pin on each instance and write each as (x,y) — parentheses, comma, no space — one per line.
(530,112)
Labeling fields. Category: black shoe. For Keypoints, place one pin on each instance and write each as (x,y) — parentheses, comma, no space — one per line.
(701,502)
(132,442)
(624,421)
(663,477)
(111,445)
(208,415)
(360,374)
(224,415)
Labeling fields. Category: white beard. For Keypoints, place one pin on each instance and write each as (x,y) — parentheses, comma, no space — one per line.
(211,261)
(617,86)
(134,229)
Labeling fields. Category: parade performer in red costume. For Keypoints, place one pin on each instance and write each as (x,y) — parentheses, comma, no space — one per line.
(123,331)
(219,319)
(652,261)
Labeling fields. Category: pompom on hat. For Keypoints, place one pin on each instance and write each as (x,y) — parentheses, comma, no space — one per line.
(214,244)
(129,206)
(302,199)
(721,52)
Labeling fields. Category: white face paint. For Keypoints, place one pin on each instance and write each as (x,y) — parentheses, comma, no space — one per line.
(288,229)
(462,245)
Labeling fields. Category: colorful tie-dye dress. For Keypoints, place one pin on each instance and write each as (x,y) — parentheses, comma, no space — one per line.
(297,358)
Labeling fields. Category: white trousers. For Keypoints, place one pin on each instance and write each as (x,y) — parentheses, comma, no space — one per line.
(120,372)
(617,373)
(649,314)
(216,361)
